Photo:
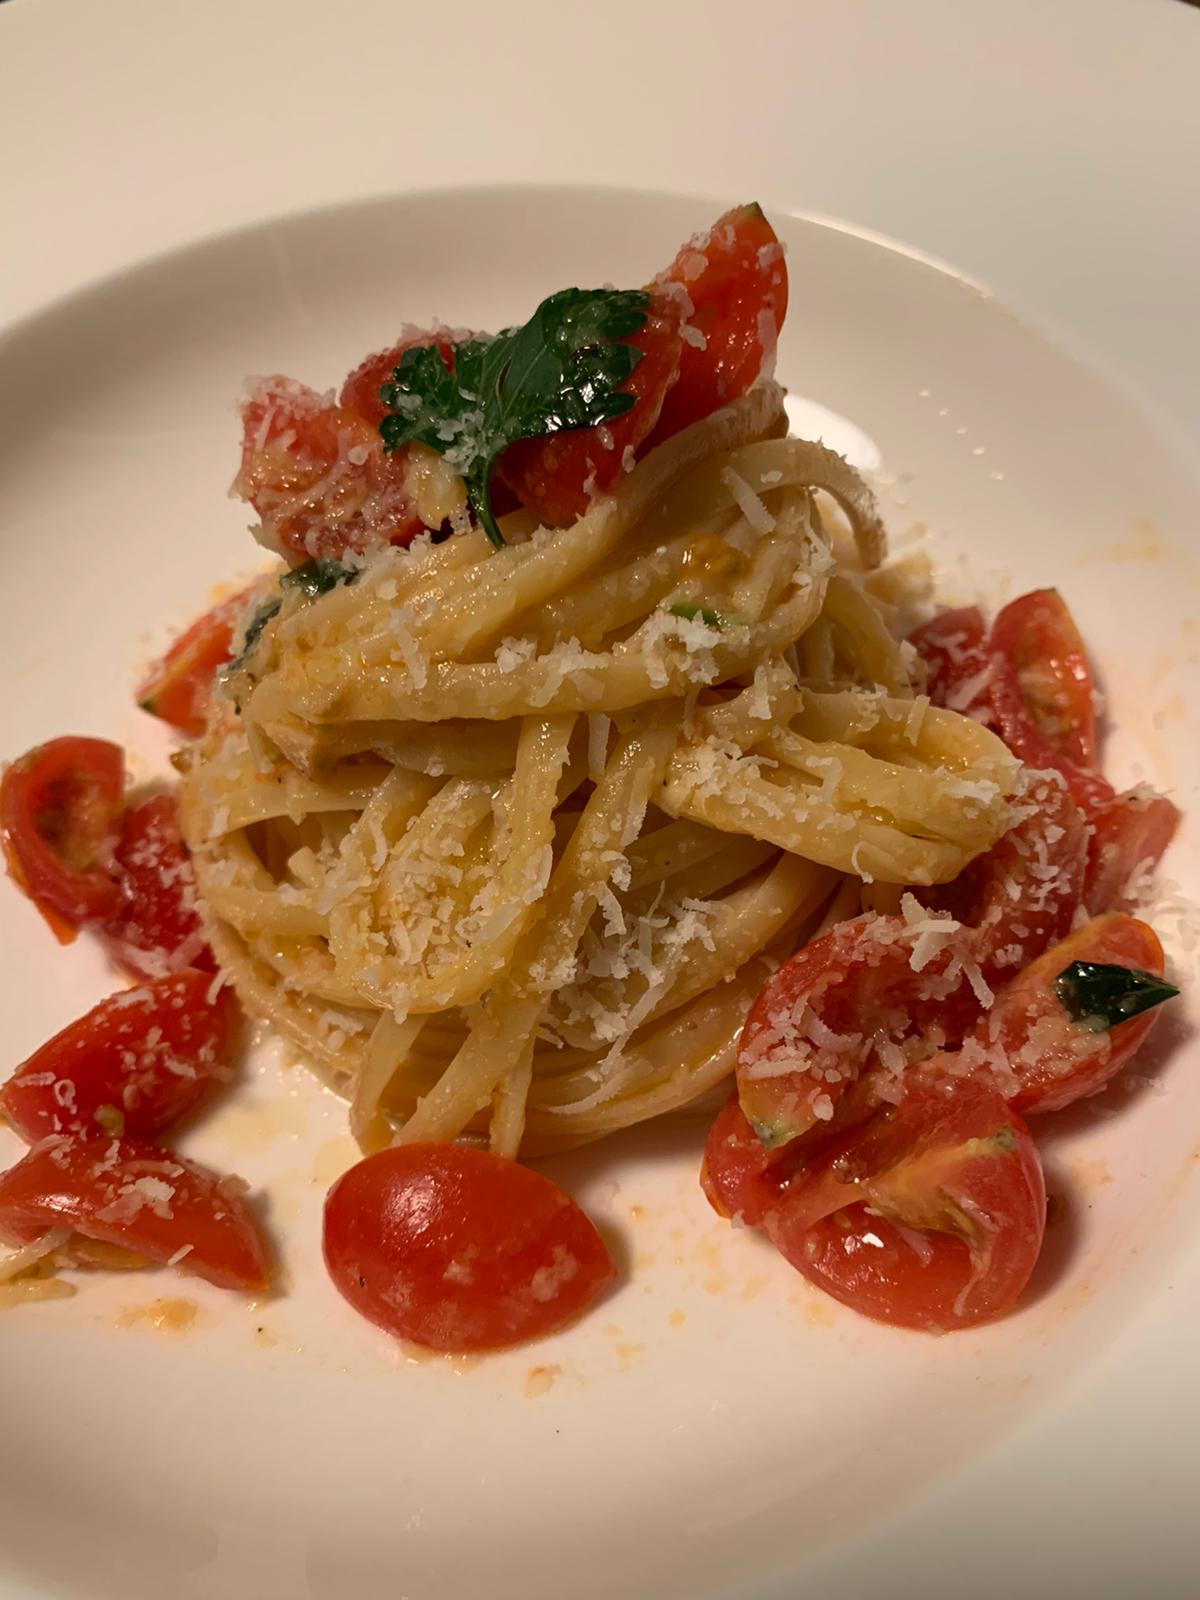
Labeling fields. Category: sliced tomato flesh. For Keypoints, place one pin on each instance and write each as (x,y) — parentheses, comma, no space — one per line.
(952,646)
(1041,692)
(1130,834)
(157,928)
(1043,1057)
(457,1249)
(930,1215)
(129,1194)
(1022,894)
(732,287)
(318,476)
(134,1064)
(360,392)
(60,806)
(178,688)
(866,995)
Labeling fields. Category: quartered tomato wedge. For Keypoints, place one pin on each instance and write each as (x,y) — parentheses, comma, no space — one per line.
(558,476)
(134,1064)
(178,688)
(1041,692)
(933,1212)
(953,647)
(60,807)
(868,993)
(318,476)
(736,279)
(1032,1037)
(125,1193)
(1130,834)
(457,1249)
(157,926)
(1022,895)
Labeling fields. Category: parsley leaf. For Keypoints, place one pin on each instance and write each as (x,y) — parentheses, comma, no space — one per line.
(1100,996)
(562,370)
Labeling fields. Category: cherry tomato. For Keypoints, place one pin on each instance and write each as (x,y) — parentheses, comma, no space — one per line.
(941,1215)
(60,806)
(1048,1059)
(1130,834)
(736,1172)
(134,1064)
(952,646)
(457,1249)
(868,993)
(1041,693)
(318,476)
(157,928)
(736,279)
(1022,895)
(557,477)
(178,688)
(122,1192)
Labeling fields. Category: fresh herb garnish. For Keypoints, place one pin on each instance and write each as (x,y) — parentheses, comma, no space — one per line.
(1100,996)
(318,577)
(562,370)
(689,613)
(254,628)
(312,579)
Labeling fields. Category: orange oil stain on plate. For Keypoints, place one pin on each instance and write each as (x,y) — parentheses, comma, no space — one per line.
(174,1315)
(540,1380)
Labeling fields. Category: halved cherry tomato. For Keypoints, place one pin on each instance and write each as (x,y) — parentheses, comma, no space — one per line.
(178,688)
(952,646)
(318,476)
(1022,894)
(134,1064)
(1041,692)
(557,477)
(736,1171)
(60,806)
(736,279)
(157,928)
(1029,1040)
(457,1249)
(122,1192)
(933,1212)
(866,993)
(1130,834)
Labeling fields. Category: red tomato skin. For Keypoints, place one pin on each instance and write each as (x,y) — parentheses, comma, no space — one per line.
(735,1172)
(1070,1061)
(91,1185)
(157,928)
(456,1249)
(1040,687)
(318,477)
(943,1161)
(850,980)
(1021,896)
(953,647)
(736,278)
(60,806)
(151,1054)
(549,475)
(178,688)
(1130,835)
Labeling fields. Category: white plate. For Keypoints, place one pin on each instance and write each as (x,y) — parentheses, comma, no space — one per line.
(715,1423)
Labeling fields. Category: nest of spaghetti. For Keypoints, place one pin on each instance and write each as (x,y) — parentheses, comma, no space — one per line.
(506,841)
